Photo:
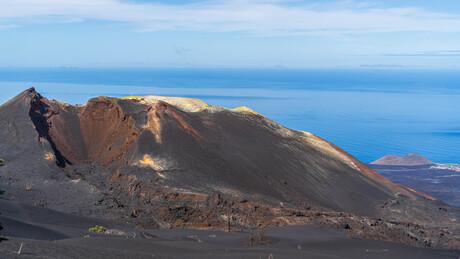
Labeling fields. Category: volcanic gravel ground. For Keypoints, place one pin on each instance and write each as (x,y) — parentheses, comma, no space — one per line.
(46,233)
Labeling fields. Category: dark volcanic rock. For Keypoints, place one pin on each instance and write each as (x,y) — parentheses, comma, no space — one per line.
(408,160)
(176,162)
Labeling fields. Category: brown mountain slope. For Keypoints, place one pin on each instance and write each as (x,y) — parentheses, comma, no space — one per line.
(409,160)
(176,162)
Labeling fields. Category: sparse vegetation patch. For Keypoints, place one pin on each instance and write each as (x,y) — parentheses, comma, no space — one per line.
(97,228)
(259,240)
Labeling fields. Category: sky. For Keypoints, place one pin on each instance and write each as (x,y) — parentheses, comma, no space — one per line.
(230,33)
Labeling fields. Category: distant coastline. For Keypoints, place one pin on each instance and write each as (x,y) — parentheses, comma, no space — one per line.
(453,167)
(438,180)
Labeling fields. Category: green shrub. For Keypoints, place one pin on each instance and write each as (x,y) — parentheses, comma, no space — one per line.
(98,228)
(2,162)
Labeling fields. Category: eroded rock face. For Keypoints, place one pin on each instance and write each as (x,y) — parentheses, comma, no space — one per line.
(177,162)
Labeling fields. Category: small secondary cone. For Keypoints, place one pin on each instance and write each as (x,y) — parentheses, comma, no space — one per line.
(407,160)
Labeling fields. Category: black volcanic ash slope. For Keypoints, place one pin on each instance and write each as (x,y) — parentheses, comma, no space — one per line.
(164,156)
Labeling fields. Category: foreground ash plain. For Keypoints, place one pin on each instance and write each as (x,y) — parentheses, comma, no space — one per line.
(144,165)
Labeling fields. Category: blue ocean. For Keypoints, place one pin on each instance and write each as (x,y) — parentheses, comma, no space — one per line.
(368,112)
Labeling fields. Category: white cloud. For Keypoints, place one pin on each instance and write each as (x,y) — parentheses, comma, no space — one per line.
(260,18)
